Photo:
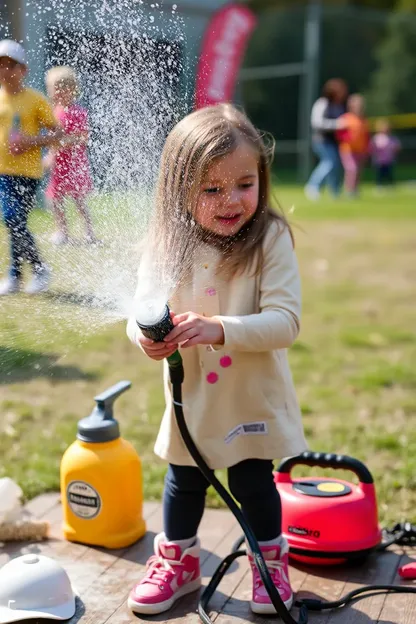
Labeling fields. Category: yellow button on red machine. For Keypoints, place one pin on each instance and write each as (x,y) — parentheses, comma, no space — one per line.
(330,486)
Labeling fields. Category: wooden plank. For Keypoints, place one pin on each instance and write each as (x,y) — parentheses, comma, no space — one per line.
(110,589)
(82,563)
(322,582)
(237,607)
(105,577)
(41,505)
(94,560)
(325,583)
(10,550)
(215,527)
(400,608)
(65,552)
(233,577)
(379,569)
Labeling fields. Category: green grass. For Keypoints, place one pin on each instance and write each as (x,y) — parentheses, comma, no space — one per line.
(353,365)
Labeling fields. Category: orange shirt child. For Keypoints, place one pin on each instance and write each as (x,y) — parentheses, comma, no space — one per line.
(355,136)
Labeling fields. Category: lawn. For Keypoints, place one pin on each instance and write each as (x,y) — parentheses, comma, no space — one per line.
(353,364)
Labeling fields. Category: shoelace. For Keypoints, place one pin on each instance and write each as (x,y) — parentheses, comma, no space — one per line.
(159,569)
(276,568)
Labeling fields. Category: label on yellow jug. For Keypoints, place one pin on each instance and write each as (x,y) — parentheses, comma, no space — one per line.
(84,501)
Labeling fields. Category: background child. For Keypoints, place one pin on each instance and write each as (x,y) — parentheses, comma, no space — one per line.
(235,316)
(384,149)
(353,142)
(23,113)
(69,165)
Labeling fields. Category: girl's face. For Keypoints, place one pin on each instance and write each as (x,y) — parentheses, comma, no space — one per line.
(356,105)
(229,193)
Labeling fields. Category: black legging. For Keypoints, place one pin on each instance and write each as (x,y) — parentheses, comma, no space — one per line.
(250,482)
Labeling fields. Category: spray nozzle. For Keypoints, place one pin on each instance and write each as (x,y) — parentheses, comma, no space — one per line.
(159,329)
(157,332)
(100,425)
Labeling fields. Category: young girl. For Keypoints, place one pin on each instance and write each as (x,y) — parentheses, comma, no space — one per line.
(384,148)
(70,170)
(235,315)
(353,142)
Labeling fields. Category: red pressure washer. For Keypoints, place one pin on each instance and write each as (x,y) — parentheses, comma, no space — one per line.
(328,521)
(290,499)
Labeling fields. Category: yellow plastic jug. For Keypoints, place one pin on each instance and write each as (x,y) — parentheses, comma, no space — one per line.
(101,481)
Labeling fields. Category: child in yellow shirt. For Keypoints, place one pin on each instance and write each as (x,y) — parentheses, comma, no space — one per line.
(24,112)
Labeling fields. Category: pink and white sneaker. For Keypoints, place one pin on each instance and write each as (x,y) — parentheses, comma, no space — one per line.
(277,561)
(170,574)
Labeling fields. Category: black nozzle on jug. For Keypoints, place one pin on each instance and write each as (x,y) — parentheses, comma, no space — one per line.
(100,425)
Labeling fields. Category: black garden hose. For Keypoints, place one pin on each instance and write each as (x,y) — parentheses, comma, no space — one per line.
(399,534)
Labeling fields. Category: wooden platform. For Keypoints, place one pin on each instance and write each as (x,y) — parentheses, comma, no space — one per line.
(103,578)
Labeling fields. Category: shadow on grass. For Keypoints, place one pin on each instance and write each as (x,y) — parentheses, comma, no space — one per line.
(87,300)
(23,364)
(82,300)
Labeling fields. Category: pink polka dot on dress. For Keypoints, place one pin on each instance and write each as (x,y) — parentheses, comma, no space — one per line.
(225,361)
(212,378)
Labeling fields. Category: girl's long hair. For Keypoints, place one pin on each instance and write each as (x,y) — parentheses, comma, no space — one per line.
(190,149)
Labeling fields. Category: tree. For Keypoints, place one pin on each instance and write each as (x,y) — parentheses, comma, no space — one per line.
(392,86)
(407,5)
(386,5)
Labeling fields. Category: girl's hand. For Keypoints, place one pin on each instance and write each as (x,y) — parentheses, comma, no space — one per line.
(156,350)
(193,329)
(24,142)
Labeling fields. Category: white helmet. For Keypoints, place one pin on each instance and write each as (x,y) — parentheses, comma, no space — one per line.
(35,586)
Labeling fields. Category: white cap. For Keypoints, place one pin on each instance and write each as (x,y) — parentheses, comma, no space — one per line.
(35,586)
(13,50)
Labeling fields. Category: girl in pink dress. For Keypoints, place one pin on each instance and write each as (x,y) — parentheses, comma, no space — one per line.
(69,166)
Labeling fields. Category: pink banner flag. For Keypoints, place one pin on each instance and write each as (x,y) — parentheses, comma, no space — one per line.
(223,48)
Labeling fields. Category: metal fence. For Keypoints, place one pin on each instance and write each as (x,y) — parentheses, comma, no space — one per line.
(292,53)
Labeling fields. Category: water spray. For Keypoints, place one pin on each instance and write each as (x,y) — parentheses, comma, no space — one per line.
(155,322)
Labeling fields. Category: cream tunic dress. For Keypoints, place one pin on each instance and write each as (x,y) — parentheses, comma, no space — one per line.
(239,399)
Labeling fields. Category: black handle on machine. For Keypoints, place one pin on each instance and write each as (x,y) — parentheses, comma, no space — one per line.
(327,460)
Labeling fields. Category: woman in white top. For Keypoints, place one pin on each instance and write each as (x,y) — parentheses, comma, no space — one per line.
(325,121)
